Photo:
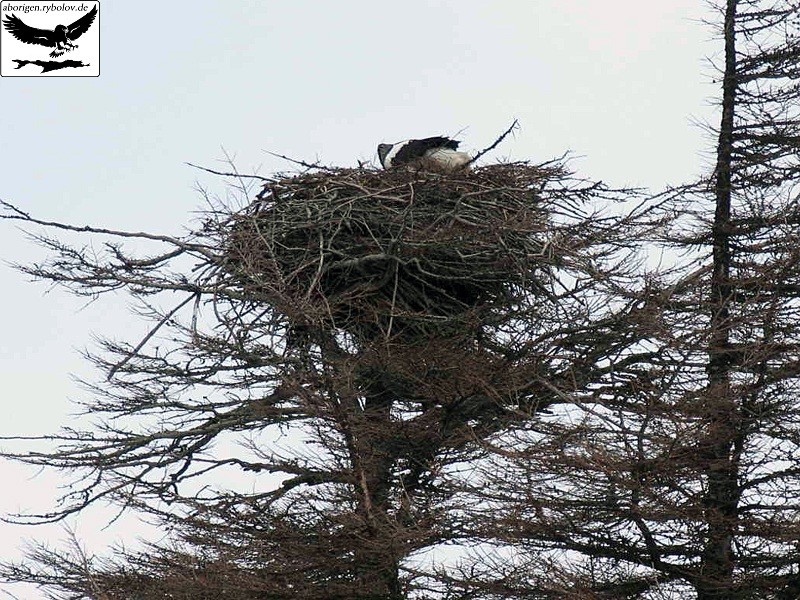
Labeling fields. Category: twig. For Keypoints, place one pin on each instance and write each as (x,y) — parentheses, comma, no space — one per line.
(21,215)
(514,125)
(146,338)
(224,174)
(302,163)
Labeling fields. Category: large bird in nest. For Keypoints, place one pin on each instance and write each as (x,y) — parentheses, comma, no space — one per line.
(61,38)
(435,153)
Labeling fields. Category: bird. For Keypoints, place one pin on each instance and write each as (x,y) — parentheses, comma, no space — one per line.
(60,38)
(435,153)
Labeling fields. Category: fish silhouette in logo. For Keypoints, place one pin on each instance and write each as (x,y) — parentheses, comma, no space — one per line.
(51,65)
(61,38)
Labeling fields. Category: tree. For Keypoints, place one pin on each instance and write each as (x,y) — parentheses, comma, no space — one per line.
(360,333)
(681,481)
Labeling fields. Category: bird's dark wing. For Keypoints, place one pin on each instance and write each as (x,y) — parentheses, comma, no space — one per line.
(414,149)
(28,34)
(81,26)
(439,142)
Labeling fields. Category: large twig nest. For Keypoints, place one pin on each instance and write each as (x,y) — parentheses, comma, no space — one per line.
(397,249)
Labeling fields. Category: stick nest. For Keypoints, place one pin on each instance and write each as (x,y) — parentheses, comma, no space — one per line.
(399,250)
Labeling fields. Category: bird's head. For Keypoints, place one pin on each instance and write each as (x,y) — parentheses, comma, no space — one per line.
(383,150)
(60,28)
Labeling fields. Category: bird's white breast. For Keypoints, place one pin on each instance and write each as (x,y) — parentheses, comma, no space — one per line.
(448,159)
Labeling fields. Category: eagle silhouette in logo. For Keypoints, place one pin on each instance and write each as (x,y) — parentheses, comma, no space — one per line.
(60,38)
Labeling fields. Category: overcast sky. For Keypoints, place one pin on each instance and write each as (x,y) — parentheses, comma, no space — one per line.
(617,82)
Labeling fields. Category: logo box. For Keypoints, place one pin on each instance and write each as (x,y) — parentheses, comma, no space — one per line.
(59,38)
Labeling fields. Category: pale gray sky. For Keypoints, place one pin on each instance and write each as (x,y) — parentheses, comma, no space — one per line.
(617,82)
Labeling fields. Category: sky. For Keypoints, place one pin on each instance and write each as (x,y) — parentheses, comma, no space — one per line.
(619,83)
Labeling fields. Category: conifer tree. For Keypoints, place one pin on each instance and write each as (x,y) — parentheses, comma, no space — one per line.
(683,481)
(360,334)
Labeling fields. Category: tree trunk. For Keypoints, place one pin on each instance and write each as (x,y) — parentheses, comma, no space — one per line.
(715,578)
(377,559)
